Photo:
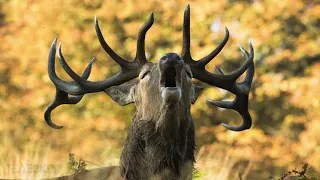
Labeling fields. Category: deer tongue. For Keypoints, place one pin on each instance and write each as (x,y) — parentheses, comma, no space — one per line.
(171,95)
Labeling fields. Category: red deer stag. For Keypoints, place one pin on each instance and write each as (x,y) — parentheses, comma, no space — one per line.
(161,140)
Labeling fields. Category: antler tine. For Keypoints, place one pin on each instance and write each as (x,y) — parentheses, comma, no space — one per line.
(68,69)
(60,98)
(122,62)
(239,104)
(62,88)
(249,60)
(140,54)
(185,54)
(205,60)
(221,104)
(87,71)
(246,84)
(218,70)
(69,87)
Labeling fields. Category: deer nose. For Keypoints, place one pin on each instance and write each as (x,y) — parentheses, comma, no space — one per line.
(170,59)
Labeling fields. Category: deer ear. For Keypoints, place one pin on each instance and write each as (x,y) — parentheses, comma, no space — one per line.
(122,94)
(196,92)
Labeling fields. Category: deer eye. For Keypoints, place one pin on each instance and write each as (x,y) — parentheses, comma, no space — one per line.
(144,74)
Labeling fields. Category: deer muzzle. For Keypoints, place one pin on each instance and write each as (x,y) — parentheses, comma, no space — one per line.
(170,81)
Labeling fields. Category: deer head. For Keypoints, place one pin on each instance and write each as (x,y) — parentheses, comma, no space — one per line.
(163,91)
(158,83)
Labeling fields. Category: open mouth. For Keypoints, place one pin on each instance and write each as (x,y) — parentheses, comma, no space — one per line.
(170,77)
(169,85)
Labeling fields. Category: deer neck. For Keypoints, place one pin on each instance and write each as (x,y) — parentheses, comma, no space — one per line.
(157,145)
(171,120)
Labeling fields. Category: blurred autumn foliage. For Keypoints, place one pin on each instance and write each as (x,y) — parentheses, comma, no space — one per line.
(284,100)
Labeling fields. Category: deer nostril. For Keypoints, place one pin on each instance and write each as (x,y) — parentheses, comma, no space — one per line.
(164,59)
(170,59)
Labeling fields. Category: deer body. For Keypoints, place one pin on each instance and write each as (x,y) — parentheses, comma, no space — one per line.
(161,141)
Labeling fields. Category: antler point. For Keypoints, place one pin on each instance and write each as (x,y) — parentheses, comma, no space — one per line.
(53,46)
(241,47)
(151,18)
(60,46)
(187,8)
(54,42)
(95,19)
(92,60)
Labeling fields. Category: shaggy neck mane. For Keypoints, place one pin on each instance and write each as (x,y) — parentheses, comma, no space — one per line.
(170,121)
(166,146)
(160,147)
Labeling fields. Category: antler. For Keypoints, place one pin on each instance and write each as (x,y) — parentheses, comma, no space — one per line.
(80,85)
(227,82)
